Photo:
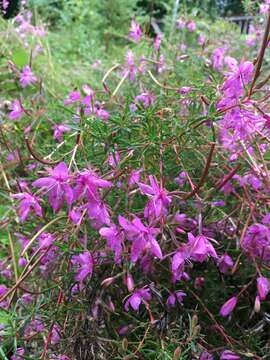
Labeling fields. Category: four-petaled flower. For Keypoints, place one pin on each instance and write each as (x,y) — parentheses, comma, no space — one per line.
(84,265)
(159,200)
(27,77)
(28,203)
(135,31)
(57,186)
(142,237)
(16,110)
(139,296)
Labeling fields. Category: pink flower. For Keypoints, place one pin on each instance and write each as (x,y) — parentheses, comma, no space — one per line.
(135,31)
(229,355)
(55,334)
(17,110)
(199,248)
(177,296)
(201,39)
(180,24)
(134,177)
(27,77)
(73,97)
(228,307)
(130,68)
(115,238)
(146,99)
(19,354)
(28,203)
(218,57)
(263,287)
(191,26)
(59,130)
(134,301)
(206,356)
(225,263)
(264,8)
(184,90)
(142,237)
(159,200)
(84,264)
(157,43)
(45,240)
(57,186)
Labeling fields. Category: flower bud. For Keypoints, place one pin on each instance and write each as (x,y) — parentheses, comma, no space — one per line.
(228,307)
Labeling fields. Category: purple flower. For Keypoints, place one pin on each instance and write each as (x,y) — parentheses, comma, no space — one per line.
(177,296)
(263,287)
(19,354)
(55,334)
(191,26)
(135,31)
(202,40)
(73,97)
(27,77)
(45,240)
(234,86)
(34,327)
(256,241)
(218,57)
(57,186)
(206,356)
(84,264)
(134,301)
(157,43)
(17,110)
(115,238)
(59,130)
(264,8)
(142,237)
(28,203)
(199,248)
(134,177)
(146,99)
(228,307)
(130,68)
(229,355)
(88,184)
(185,90)
(225,263)
(180,24)
(159,200)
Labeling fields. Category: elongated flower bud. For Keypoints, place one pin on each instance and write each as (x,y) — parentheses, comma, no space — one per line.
(228,307)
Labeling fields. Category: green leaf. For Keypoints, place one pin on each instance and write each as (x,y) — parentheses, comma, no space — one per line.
(20,57)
